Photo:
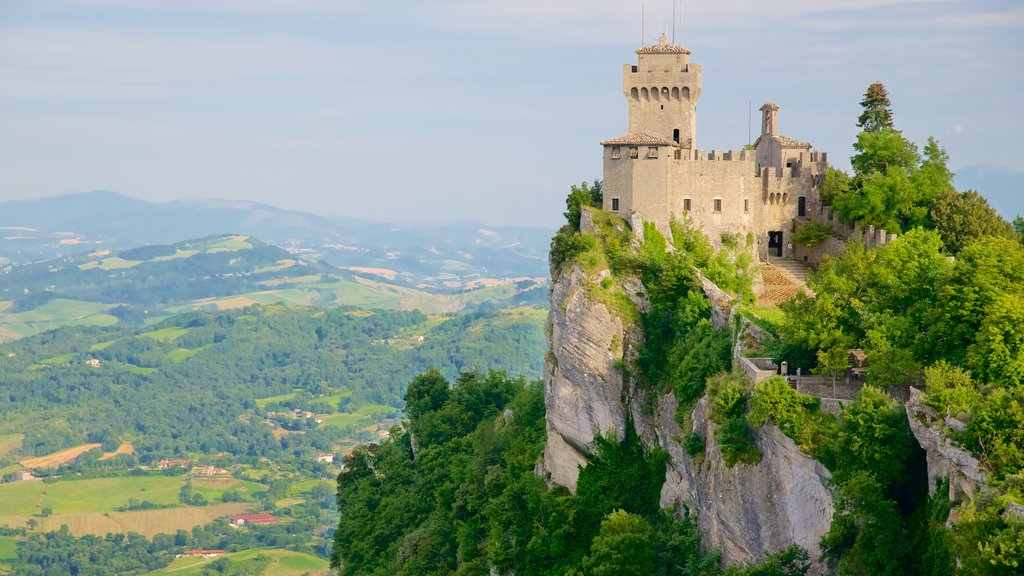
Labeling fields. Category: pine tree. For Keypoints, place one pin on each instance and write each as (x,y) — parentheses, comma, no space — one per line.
(877,113)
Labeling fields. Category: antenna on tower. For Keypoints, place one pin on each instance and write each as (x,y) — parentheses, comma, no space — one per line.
(674,21)
(643,21)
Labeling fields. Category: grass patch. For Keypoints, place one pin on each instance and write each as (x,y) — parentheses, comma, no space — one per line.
(299,488)
(214,488)
(8,549)
(101,345)
(166,334)
(60,359)
(179,253)
(362,416)
(264,561)
(139,369)
(9,443)
(87,496)
(181,354)
(229,244)
(769,318)
(261,403)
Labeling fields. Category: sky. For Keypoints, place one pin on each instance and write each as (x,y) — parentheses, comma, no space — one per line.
(443,110)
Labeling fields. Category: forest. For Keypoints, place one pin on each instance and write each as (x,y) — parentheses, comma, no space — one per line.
(189,384)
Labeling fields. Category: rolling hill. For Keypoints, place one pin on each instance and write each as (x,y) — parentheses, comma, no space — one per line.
(140,285)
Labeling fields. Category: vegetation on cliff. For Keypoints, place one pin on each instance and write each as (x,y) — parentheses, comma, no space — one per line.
(455,492)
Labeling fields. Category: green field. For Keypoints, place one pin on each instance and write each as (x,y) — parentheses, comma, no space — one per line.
(299,488)
(83,496)
(274,563)
(213,488)
(262,402)
(181,354)
(60,359)
(8,549)
(9,443)
(178,253)
(229,244)
(54,314)
(166,334)
(362,416)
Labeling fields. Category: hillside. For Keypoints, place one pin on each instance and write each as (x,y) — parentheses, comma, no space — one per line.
(438,256)
(141,285)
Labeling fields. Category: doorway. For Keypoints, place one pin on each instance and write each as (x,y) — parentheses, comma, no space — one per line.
(775,243)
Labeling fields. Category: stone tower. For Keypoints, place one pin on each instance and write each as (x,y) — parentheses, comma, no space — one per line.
(662,89)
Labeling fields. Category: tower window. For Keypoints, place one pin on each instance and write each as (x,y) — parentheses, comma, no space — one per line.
(801,206)
(616,153)
(718,205)
(686,204)
(615,204)
(652,152)
(634,152)
(746,205)
(675,135)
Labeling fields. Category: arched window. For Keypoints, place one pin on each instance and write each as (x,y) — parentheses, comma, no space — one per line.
(675,93)
(635,94)
(686,92)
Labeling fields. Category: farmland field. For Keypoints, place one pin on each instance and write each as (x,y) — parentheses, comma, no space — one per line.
(57,458)
(84,496)
(276,563)
(145,522)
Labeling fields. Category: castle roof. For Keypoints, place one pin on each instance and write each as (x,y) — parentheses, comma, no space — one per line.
(792,142)
(662,47)
(637,139)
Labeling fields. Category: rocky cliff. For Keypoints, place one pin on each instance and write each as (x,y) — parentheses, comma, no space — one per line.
(745,511)
(945,459)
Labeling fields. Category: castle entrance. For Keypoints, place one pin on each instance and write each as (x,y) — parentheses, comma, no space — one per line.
(775,243)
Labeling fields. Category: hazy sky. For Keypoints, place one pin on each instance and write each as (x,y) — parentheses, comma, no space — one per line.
(452,109)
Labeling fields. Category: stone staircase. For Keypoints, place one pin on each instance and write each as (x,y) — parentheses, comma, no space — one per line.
(781,280)
(796,270)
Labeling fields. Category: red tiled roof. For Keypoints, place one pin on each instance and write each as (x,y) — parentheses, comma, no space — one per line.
(259,518)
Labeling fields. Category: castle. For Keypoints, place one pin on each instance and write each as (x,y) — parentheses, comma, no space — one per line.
(656,172)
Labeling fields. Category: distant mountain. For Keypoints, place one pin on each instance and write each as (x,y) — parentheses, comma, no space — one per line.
(1002,186)
(103,287)
(452,256)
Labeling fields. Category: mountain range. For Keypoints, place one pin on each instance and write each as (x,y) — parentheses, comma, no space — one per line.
(432,256)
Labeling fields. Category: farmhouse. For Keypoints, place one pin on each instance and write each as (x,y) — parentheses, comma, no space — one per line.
(201,553)
(246,519)
(327,457)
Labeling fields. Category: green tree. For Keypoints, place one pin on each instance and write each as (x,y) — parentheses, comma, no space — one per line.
(998,352)
(836,184)
(962,218)
(579,196)
(622,547)
(877,114)
(426,393)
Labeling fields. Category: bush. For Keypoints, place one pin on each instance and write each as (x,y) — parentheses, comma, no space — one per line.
(811,233)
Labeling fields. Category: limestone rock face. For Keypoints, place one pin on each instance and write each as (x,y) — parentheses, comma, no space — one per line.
(747,510)
(582,385)
(945,459)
